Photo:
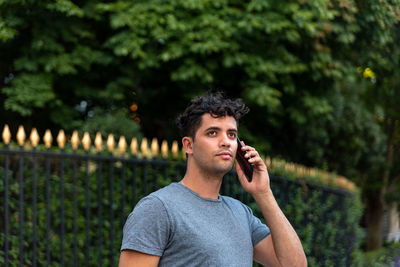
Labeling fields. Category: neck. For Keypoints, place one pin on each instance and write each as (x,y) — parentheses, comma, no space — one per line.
(204,185)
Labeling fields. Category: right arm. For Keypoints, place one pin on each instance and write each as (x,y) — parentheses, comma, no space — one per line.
(145,234)
(133,258)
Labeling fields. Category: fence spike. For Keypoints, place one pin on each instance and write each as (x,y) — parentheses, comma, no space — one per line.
(34,137)
(75,140)
(154,147)
(164,149)
(122,144)
(110,142)
(48,138)
(134,146)
(98,142)
(61,139)
(144,147)
(302,171)
(86,141)
(21,135)
(6,134)
(175,149)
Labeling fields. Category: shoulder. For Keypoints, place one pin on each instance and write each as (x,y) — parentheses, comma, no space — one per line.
(160,202)
(150,212)
(160,196)
(148,226)
(167,191)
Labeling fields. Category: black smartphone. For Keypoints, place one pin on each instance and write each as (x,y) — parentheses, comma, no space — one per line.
(243,162)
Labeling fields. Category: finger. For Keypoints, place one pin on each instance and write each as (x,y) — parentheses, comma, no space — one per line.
(252,157)
(258,161)
(248,148)
(251,154)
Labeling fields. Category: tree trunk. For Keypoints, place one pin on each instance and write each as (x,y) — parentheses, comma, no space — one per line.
(374,216)
(376,201)
(393,221)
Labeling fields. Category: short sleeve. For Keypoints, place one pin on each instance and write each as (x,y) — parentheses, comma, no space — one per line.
(147,228)
(258,230)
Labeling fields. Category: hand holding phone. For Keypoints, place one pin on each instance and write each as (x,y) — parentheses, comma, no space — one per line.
(243,162)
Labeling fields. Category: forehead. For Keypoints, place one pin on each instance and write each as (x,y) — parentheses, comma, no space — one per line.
(225,122)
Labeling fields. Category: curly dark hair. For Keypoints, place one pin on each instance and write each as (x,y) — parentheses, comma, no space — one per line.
(216,104)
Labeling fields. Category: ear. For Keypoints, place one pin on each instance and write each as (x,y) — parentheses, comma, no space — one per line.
(187,143)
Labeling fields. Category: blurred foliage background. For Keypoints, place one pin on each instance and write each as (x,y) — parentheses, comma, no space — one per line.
(321,77)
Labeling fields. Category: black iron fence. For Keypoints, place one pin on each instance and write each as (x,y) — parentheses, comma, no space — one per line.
(68,209)
(64,208)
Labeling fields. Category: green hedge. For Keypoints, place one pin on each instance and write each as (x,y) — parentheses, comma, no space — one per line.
(325,219)
(101,246)
(389,255)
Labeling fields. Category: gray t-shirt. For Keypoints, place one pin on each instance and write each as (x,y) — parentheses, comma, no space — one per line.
(185,229)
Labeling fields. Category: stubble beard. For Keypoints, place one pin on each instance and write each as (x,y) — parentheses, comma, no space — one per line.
(216,170)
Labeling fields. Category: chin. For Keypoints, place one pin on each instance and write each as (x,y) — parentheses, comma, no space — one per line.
(224,169)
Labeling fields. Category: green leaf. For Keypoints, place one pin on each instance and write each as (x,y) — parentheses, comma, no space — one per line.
(27,92)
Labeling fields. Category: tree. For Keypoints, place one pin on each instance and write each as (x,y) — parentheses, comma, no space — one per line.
(82,64)
(378,54)
(56,69)
(266,52)
(383,98)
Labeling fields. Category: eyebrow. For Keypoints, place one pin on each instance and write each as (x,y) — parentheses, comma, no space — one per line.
(218,129)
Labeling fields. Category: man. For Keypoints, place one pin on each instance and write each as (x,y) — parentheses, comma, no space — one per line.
(190,224)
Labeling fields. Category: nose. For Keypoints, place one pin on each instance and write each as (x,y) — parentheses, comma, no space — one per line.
(225,141)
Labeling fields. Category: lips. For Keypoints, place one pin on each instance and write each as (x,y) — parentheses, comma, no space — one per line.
(225,155)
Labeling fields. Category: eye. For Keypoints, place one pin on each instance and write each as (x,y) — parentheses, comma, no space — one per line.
(232,135)
(212,133)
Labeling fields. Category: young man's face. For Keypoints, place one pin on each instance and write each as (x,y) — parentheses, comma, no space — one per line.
(214,145)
